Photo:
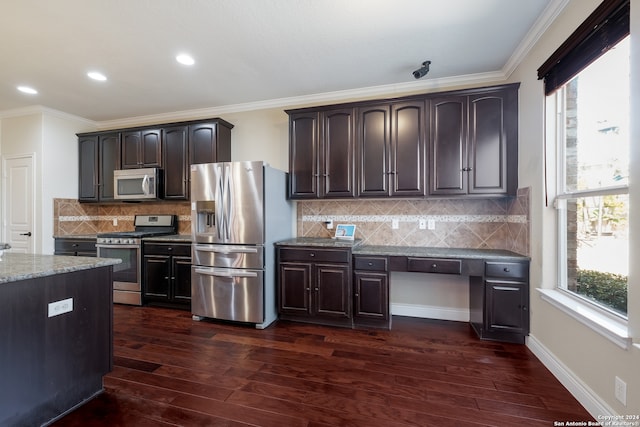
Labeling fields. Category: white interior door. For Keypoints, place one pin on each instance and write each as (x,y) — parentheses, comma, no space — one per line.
(18,203)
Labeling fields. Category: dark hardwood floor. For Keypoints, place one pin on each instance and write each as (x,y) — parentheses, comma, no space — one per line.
(172,371)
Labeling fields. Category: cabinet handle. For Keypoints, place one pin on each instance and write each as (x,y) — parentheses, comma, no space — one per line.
(467,169)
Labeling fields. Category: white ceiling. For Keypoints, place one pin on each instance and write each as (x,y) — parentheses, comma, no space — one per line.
(251,53)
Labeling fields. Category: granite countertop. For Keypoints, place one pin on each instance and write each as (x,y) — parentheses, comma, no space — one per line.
(78,236)
(15,266)
(431,252)
(176,238)
(414,251)
(319,242)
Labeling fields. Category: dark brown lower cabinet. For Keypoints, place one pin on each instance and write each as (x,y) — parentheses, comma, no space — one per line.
(167,275)
(371,292)
(50,363)
(315,285)
(500,302)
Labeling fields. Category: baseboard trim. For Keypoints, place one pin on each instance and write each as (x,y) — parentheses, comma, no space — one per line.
(430,312)
(583,393)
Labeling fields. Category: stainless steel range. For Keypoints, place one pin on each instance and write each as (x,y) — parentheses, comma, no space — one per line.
(127,246)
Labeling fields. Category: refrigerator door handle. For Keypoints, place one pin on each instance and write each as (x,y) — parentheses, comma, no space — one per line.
(227,201)
(227,249)
(219,219)
(225,272)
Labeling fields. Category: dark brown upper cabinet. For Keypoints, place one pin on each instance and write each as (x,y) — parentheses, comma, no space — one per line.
(172,147)
(142,149)
(99,156)
(175,156)
(473,143)
(321,154)
(391,150)
(210,142)
(457,143)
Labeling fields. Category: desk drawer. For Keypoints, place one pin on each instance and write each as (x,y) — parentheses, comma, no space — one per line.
(508,270)
(370,263)
(315,255)
(434,265)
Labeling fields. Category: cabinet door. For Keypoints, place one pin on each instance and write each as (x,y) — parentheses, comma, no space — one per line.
(150,148)
(181,278)
(373,140)
(89,169)
(295,288)
(131,150)
(332,291)
(176,170)
(448,145)
(209,143)
(303,155)
(337,156)
(157,274)
(109,161)
(408,149)
(487,144)
(506,307)
(371,294)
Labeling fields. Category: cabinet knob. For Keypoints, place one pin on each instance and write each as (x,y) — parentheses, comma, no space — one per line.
(370,264)
(316,289)
(506,269)
(357,295)
(312,254)
(524,308)
(75,245)
(434,265)
(169,248)
(166,277)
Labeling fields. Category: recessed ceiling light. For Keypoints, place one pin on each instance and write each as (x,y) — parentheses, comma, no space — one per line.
(27,89)
(97,76)
(185,59)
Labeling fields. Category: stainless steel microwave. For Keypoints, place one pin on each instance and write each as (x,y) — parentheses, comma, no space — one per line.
(137,184)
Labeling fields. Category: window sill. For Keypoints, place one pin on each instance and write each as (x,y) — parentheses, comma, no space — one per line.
(613,329)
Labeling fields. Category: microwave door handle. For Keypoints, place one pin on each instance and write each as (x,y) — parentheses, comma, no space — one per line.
(225,272)
(227,250)
(145,185)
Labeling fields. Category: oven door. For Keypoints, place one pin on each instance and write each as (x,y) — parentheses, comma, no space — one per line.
(126,275)
(228,294)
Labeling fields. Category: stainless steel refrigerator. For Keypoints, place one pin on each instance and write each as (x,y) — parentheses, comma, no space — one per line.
(238,210)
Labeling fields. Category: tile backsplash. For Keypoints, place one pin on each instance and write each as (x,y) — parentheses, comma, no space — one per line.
(71,217)
(461,223)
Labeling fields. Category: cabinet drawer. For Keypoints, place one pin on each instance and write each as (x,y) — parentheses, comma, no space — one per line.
(370,263)
(75,245)
(434,265)
(167,249)
(315,255)
(509,270)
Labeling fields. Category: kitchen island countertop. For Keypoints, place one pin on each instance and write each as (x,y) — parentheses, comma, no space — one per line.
(17,266)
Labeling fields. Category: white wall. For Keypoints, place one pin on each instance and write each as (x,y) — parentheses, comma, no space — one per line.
(587,359)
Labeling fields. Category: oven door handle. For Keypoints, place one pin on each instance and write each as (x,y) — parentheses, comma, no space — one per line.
(227,250)
(225,272)
(117,246)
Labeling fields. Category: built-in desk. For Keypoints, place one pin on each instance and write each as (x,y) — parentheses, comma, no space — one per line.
(356,294)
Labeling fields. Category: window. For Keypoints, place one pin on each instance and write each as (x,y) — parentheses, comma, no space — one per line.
(593,170)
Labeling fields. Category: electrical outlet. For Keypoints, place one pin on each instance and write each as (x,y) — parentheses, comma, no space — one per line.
(422,224)
(431,224)
(394,224)
(115,222)
(621,391)
(60,307)
(329,224)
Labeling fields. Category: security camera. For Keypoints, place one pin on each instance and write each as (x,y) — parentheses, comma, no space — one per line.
(422,71)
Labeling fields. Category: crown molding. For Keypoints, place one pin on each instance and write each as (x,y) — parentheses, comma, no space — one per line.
(40,109)
(544,21)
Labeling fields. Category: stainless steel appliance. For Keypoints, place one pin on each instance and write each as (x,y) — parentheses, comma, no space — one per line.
(238,210)
(137,184)
(127,246)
